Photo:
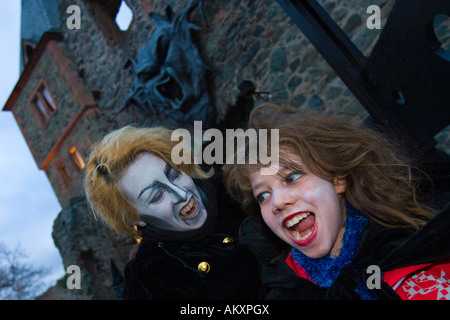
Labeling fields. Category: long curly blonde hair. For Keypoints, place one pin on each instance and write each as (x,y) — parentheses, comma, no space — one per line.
(379,183)
(108,160)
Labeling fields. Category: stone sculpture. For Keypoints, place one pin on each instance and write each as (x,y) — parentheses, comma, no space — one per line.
(170,76)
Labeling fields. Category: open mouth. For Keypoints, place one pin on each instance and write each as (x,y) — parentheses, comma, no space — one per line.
(189,211)
(301,226)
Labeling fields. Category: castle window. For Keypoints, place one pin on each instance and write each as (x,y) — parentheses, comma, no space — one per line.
(124,16)
(113,17)
(28,48)
(63,173)
(77,158)
(42,105)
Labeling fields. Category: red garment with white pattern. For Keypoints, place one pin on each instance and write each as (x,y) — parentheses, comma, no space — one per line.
(429,281)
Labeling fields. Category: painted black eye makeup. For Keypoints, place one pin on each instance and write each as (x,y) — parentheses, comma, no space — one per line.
(157,188)
(157,198)
(157,195)
(174,175)
(171,173)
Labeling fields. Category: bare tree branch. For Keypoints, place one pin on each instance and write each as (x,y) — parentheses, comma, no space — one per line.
(18,279)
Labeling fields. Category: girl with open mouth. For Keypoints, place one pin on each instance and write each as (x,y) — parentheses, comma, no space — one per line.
(341,204)
(186,225)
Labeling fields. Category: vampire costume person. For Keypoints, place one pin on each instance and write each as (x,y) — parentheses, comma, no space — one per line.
(208,263)
(188,226)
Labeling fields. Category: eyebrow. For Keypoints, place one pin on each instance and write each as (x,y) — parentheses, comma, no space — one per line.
(256,186)
(279,173)
(167,169)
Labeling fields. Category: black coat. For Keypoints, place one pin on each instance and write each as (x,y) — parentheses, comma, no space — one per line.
(169,269)
(387,248)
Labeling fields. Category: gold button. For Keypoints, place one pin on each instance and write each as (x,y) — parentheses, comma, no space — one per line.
(204,266)
(227,240)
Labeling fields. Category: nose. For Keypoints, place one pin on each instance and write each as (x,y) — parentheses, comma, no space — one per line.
(281,200)
(179,192)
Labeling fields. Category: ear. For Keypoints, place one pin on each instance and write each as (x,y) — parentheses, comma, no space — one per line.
(339,185)
(139,224)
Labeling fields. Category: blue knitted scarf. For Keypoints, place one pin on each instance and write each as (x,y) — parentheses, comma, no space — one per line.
(323,271)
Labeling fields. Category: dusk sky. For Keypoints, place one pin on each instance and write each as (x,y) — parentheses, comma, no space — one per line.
(28,205)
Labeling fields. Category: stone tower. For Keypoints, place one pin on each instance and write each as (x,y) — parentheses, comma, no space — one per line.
(74,82)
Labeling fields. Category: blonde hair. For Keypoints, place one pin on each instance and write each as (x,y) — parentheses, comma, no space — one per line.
(379,183)
(108,160)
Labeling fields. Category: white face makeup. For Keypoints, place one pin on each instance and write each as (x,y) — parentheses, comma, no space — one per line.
(301,208)
(165,198)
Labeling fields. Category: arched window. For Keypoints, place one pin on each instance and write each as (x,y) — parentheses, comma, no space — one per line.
(42,104)
(124,16)
(63,173)
(113,17)
(28,48)
(77,158)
